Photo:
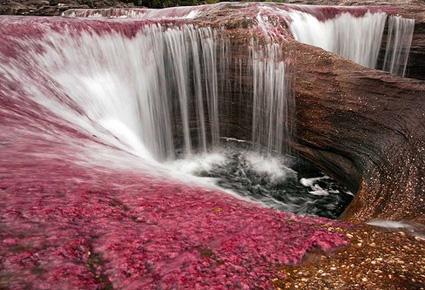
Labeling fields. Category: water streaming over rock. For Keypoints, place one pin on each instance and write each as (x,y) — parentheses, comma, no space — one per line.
(119,84)
(157,89)
(180,12)
(399,40)
(272,102)
(358,38)
(71,85)
(355,33)
(354,38)
(155,93)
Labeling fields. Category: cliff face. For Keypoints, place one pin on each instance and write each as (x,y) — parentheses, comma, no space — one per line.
(416,64)
(363,126)
(372,126)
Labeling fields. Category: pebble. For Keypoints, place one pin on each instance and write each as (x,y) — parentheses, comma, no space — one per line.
(376,259)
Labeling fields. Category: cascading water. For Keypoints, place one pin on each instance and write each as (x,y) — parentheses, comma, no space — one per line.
(355,33)
(118,83)
(400,34)
(181,12)
(358,38)
(119,86)
(117,91)
(354,38)
(75,91)
(272,100)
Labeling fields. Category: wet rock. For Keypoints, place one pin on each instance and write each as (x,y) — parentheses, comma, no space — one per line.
(366,267)
(362,125)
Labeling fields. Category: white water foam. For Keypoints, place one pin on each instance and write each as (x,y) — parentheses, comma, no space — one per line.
(270,166)
(197,163)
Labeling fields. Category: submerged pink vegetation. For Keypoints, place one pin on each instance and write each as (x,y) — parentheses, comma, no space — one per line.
(66,227)
(71,225)
(67,222)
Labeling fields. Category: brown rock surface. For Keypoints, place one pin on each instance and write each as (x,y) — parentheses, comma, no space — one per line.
(363,126)
(375,259)
(367,128)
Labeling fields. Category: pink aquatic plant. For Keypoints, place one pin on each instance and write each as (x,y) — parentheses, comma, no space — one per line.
(68,221)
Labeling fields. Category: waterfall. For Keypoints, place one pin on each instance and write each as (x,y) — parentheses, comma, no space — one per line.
(119,86)
(148,91)
(399,40)
(153,90)
(272,99)
(354,38)
(358,38)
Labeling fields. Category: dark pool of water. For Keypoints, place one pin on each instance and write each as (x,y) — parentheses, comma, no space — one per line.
(285,183)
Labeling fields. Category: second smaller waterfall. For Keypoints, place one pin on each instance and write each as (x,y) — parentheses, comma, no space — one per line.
(358,38)
(354,38)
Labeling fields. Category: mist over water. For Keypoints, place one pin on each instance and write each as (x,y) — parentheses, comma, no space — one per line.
(282,182)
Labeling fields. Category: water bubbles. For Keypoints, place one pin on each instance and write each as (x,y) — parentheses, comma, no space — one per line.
(268,179)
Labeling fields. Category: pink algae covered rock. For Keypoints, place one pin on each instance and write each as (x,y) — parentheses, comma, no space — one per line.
(67,222)
(70,227)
